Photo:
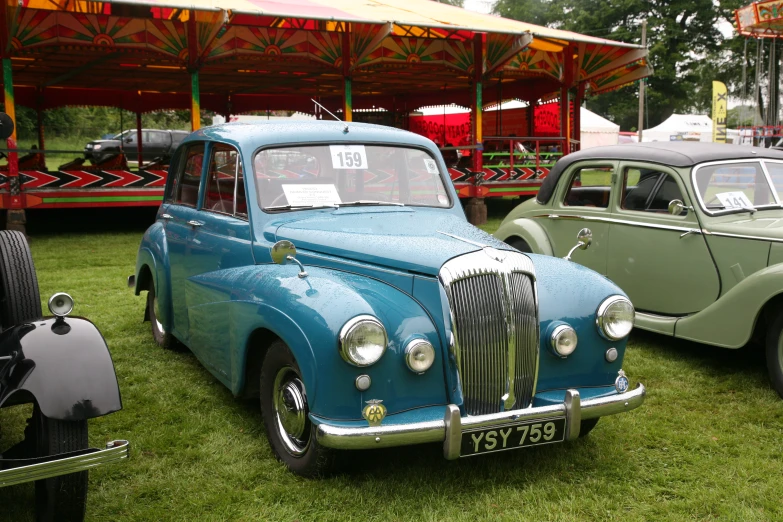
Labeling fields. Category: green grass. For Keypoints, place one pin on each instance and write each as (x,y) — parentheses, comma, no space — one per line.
(706,445)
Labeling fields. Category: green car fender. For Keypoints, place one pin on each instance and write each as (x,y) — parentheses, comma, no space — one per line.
(527,229)
(729,321)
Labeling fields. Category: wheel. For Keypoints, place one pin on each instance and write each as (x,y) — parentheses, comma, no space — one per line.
(20,300)
(284,408)
(164,339)
(775,353)
(62,498)
(520,244)
(587,426)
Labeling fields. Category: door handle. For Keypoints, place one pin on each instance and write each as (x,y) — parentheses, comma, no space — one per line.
(167,216)
(195,223)
(689,232)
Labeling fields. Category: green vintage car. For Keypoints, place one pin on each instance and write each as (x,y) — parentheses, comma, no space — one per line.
(692,232)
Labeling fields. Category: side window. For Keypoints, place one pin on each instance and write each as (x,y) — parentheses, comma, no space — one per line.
(157,137)
(189,176)
(222,189)
(590,187)
(648,190)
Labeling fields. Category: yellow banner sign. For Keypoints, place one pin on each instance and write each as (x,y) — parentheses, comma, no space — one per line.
(719,101)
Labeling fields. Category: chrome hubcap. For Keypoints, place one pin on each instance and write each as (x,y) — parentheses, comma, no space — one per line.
(290,404)
(156,310)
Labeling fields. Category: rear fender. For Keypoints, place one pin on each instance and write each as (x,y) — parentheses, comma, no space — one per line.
(153,254)
(527,229)
(729,322)
(65,365)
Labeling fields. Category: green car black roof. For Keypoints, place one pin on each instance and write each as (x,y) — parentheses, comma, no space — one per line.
(673,153)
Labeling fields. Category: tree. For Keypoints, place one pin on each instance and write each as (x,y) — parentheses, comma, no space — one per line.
(680,35)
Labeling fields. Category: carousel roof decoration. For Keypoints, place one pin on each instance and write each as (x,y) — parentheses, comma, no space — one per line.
(246,50)
(761,19)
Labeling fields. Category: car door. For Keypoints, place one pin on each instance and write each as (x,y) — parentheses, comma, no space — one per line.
(181,216)
(583,201)
(660,260)
(221,240)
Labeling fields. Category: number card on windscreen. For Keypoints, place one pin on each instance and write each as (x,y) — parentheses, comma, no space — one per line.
(348,156)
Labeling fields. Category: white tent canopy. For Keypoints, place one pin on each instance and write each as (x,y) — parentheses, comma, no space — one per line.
(687,127)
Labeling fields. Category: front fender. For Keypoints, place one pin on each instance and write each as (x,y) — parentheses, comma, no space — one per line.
(729,321)
(65,366)
(527,229)
(308,314)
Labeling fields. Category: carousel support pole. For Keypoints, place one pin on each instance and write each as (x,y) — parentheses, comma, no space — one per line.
(139,135)
(577,130)
(476,209)
(195,102)
(39,116)
(347,80)
(16,216)
(565,98)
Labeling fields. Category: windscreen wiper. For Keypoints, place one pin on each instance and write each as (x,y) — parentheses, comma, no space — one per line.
(297,207)
(370,202)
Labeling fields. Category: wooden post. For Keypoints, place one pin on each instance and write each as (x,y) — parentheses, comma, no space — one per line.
(565,98)
(139,136)
(39,117)
(577,130)
(347,80)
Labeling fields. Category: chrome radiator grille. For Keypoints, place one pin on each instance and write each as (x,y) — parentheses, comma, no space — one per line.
(495,325)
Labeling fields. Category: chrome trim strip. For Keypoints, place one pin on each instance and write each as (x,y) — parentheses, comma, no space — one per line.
(390,435)
(115,451)
(741,236)
(619,222)
(761,161)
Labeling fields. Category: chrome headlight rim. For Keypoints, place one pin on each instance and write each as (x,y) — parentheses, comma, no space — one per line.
(556,333)
(600,317)
(346,331)
(410,347)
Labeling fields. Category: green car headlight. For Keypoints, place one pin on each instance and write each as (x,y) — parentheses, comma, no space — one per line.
(362,340)
(615,317)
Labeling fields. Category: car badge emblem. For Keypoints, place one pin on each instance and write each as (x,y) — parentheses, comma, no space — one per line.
(495,254)
(621,383)
(374,412)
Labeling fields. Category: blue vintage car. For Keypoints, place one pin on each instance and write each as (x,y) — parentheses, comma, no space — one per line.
(328,269)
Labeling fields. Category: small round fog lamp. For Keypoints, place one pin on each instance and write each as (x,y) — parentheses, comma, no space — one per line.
(419,355)
(60,304)
(564,340)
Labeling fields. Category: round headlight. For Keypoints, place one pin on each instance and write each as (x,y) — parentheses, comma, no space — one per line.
(564,340)
(419,355)
(615,317)
(60,304)
(362,340)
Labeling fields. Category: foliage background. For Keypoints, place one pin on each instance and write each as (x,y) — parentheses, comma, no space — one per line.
(687,51)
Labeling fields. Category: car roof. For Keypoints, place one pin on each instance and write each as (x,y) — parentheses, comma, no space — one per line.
(259,133)
(673,153)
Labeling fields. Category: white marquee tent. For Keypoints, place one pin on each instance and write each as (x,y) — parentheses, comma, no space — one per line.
(679,127)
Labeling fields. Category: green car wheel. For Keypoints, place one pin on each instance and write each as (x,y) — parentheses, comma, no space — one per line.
(775,353)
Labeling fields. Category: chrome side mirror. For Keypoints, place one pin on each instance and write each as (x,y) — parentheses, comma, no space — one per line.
(285,251)
(584,240)
(676,207)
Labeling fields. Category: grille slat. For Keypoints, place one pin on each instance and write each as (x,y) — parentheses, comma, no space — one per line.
(496,328)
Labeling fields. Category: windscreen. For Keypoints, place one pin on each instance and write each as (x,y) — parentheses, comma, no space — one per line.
(290,178)
(734,186)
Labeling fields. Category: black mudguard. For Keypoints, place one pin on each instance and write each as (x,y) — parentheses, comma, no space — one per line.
(64,364)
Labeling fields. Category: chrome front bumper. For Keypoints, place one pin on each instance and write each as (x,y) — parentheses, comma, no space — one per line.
(114,452)
(449,429)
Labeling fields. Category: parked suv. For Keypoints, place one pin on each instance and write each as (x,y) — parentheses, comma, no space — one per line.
(155,144)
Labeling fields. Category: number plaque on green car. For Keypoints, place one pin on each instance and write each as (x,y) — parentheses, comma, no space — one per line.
(692,232)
